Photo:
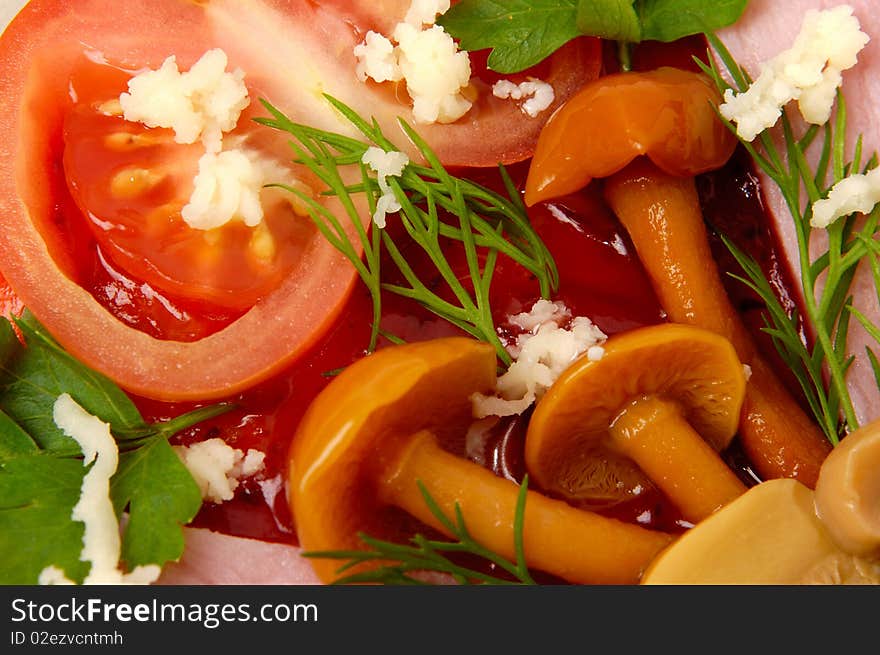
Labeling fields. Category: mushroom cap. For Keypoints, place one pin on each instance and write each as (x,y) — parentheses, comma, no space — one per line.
(848,491)
(667,114)
(692,367)
(356,427)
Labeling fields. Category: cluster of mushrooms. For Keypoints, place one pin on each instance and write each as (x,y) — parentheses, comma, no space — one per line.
(665,399)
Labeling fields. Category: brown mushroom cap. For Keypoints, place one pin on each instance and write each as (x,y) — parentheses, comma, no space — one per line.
(694,368)
(848,492)
(356,428)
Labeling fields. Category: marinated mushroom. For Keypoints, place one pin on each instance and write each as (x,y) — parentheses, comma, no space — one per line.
(666,114)
(780,532)
(662,215)
(669,117)
(375,431)
(769,536)
(667,397)
(848,492)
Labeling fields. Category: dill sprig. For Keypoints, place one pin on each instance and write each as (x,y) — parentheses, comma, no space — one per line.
(826,280)
(400,560)
(436,205)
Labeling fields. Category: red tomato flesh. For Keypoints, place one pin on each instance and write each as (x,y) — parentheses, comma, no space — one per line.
(130,182)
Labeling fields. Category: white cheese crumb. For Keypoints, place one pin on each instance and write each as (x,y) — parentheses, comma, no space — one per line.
(52,575)
(747,372)
(810,72)
(217,467)
(385,164)
(200,104)
(435,72)
(377,59)
(101,540)
(855,193)
(227,187)
(425,12)
(539,94)
(542,354)
(428,60)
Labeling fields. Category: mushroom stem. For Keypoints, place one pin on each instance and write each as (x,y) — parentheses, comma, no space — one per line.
(655,435)
(576,545)
(663,217)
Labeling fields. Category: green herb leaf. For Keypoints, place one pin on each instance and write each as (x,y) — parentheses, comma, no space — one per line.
(37,495)
(609,19)
(34,377)
(161,496)
(14,441)
(669,20)
(521,33)
(41,469)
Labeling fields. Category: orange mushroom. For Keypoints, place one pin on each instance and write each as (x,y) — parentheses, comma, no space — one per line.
(768,536)
(375,431)
(666,114)
(662,214)
(848,492)
(669,116)
(780,532)
(666,397)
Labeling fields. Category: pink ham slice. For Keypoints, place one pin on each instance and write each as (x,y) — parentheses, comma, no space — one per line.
(211,558)
(767,27)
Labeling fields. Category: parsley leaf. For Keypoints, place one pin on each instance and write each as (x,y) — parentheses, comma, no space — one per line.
(41,468)
(33,377)
(161,496)
(522,33)
(609,19)
(37,495)
(668,20)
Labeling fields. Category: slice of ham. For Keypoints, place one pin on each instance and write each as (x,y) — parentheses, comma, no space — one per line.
(211,558)
(766,28)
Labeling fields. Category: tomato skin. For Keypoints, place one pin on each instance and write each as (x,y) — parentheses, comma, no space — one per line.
(667,114)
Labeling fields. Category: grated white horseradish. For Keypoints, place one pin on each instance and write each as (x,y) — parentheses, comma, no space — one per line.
(377,59)
(101,540)
(809,72)
(541,355)
(385,164)
(539,95)
(435,71)
(428,60)
(202,103)
(228,187)
(217,467)
(425,12)
(855,193)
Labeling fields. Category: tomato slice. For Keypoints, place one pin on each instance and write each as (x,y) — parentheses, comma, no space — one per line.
(292,52)
(131,183)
